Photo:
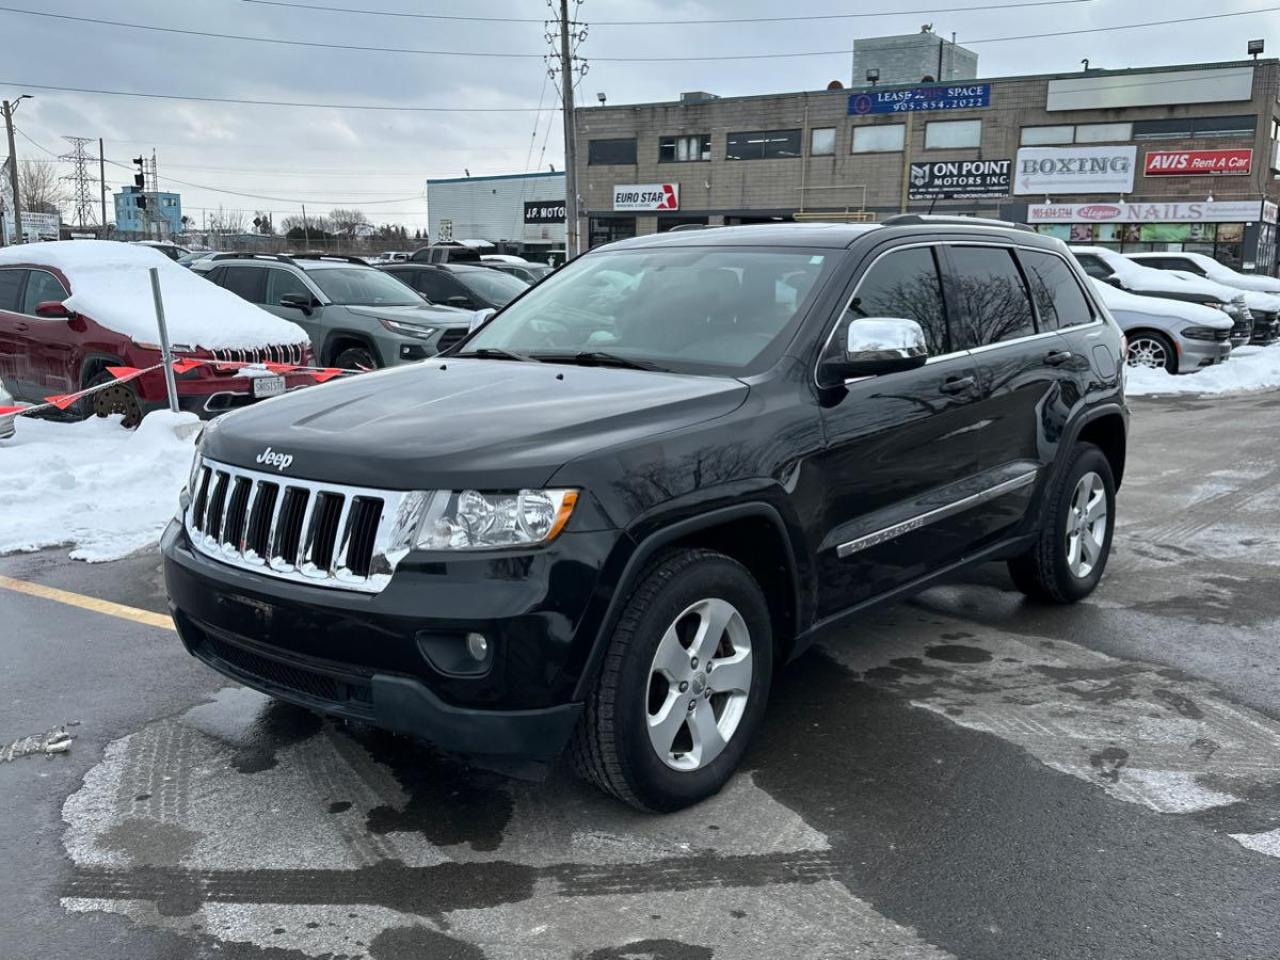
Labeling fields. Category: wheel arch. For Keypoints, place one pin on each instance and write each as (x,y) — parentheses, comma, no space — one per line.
(1107,429)
(754,534)
(336,341)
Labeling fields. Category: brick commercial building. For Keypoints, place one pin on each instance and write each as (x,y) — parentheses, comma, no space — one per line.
(1180,157)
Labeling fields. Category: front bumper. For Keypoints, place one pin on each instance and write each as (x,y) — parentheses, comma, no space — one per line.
(396,348)
(1194,355)
(370,657)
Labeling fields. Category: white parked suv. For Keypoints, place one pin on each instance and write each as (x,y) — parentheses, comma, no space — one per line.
(1261,293)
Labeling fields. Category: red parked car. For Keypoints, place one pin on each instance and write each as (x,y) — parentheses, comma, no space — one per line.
(71,309)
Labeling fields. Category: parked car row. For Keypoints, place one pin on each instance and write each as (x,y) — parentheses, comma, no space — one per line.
(1182,312)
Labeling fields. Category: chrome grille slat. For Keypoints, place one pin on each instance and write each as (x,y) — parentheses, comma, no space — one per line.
(354,532)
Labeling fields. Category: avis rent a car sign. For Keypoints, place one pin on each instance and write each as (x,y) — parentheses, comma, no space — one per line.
(646,196)
(1198,163)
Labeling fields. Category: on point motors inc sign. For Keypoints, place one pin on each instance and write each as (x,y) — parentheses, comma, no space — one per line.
(646,196)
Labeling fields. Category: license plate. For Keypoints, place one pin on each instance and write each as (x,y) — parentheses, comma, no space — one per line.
(267,387)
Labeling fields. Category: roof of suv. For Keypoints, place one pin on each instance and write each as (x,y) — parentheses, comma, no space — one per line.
(832,235)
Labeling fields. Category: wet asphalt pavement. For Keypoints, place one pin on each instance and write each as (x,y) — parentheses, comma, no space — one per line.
(967,775)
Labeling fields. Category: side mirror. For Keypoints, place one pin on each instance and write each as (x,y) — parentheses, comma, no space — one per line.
(53,310)
(878,345)
(1115,282)
(480,318)
(298,301)
(464,303)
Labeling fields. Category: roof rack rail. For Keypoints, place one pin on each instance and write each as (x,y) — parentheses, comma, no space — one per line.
(250,255)
(688,226)
(323,255)
(908,219)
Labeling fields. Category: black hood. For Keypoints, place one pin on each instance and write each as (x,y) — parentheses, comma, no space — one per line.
(450,423)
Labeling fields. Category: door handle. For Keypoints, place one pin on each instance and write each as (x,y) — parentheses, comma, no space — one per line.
(21,327)
(957,384)
(1056,358)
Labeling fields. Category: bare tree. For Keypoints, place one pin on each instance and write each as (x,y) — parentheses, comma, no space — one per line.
(348,223)
(227,221)
(41,188)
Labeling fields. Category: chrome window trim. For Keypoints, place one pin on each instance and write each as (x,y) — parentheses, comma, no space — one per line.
(1098,315)
(893,531)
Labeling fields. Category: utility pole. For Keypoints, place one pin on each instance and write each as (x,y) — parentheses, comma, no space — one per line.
(102,182)
(571,245)
(80,179)
(306,232)
(13,168)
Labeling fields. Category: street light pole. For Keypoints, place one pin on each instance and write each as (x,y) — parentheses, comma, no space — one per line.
(13,167)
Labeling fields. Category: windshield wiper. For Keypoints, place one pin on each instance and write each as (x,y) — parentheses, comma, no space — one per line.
(497,353)
(597,358)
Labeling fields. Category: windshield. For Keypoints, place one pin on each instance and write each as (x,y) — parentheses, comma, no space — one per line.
(364,286)
(494,285)
(691,309)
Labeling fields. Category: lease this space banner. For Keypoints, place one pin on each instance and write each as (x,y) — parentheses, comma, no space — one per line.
(1198,163)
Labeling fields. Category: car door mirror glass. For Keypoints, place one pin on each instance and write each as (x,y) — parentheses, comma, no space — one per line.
(53,310)
(878,345)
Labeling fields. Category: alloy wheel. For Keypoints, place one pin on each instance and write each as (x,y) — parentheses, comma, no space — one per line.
(1148,352)
(699,684)
(1086,525)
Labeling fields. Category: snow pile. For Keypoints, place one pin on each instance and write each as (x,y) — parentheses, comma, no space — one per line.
(106,490)
(111,285)
(1248,369)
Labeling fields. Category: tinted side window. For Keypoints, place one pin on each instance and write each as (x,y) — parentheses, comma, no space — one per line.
(247,282)
(1059,299)
(281,283)
(990,296)
(905,284)
(1172,263)
(437,286)
(42,286)
(10,282)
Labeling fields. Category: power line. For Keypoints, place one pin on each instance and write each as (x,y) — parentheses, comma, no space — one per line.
(272,40)
(668,23)
(268,103)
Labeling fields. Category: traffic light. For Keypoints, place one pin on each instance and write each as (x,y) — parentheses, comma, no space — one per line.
(140,178)
(142,201)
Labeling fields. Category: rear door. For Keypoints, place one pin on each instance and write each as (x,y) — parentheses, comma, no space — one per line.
(247,282)
(899,453)
(1018,369)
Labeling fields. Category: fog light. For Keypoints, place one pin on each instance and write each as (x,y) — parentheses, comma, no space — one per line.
(477,646)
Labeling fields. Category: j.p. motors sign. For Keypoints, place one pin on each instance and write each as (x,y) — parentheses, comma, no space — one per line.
(646,196)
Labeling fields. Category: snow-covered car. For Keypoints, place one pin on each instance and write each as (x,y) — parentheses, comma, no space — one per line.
(1119,271)
(1171,335)
(70,309)
(526,270)
(171,250)
(1261,293)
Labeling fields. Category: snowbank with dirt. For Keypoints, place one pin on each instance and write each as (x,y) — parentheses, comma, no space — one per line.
(104,490)
(110,283)
(1247,370)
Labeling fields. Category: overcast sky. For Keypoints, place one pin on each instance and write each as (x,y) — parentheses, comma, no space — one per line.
(379,160)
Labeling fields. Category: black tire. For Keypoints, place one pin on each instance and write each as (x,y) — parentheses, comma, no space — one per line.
(356,358)
(611,746)
(1043,572)
(1159,342)
(119,399)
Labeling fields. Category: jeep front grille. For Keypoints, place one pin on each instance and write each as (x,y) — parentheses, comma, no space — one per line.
(274,353)
(307,531)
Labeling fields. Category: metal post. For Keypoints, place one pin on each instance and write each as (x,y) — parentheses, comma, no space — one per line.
(102,183)
(13,171)
(906,165)
(571,245)
(169,383)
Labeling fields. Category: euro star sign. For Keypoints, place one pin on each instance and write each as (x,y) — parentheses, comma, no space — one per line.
(668,201)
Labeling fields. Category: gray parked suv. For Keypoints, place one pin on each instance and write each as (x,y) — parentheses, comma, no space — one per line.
(356,316)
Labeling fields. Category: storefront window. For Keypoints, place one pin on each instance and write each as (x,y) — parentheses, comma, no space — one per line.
(1222,241)
(607,229)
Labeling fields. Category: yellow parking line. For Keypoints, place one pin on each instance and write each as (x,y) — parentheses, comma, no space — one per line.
(145,617)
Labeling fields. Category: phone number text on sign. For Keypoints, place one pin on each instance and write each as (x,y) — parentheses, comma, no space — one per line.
(960,97)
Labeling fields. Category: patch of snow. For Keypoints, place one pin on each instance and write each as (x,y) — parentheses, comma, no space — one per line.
(110,284)
(1247,370)
(105,490)
(1126,302)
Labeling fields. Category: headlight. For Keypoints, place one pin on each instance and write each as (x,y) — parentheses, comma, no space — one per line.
(471,520)
(1200,333)
(409,329)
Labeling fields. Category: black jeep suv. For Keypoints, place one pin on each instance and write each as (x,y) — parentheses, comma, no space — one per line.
(613,511)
